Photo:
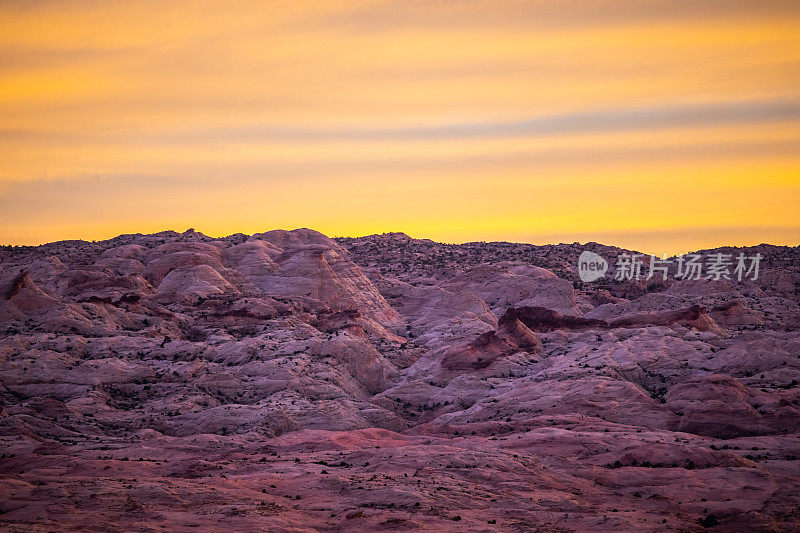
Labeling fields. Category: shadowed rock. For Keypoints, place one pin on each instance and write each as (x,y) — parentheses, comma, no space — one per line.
(543,319)
(511,336)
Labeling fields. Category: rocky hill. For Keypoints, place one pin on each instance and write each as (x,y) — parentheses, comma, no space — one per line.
(286,381)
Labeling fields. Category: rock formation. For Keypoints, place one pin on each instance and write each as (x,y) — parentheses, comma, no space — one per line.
(287,381)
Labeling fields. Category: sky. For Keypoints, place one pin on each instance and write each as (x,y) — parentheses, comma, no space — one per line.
(657,126)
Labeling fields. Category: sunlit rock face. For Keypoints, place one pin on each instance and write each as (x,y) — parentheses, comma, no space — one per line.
(287,381)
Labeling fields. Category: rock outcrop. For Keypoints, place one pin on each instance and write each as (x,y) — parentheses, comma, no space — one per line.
(293,382)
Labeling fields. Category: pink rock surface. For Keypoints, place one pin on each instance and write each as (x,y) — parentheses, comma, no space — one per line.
(286,381)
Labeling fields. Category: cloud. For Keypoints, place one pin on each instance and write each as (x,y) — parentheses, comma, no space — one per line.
(749,112)
(463,118)
(581,122)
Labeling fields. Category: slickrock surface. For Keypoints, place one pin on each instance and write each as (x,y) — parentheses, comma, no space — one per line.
(286,381)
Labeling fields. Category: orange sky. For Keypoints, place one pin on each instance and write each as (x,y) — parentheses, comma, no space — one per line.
(661,126)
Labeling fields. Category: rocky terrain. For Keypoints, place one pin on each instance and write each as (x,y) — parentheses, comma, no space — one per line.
(286,381)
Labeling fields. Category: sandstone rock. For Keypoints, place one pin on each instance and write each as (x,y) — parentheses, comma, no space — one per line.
(294,382)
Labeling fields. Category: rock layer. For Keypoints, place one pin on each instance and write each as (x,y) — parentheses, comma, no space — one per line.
(286,381)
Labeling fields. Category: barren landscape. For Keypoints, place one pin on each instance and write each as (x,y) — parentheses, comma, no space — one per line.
(286,381)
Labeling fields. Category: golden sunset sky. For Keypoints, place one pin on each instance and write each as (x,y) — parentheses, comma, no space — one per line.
(661,126)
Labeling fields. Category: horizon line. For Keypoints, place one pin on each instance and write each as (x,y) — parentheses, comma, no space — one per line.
(597,240)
